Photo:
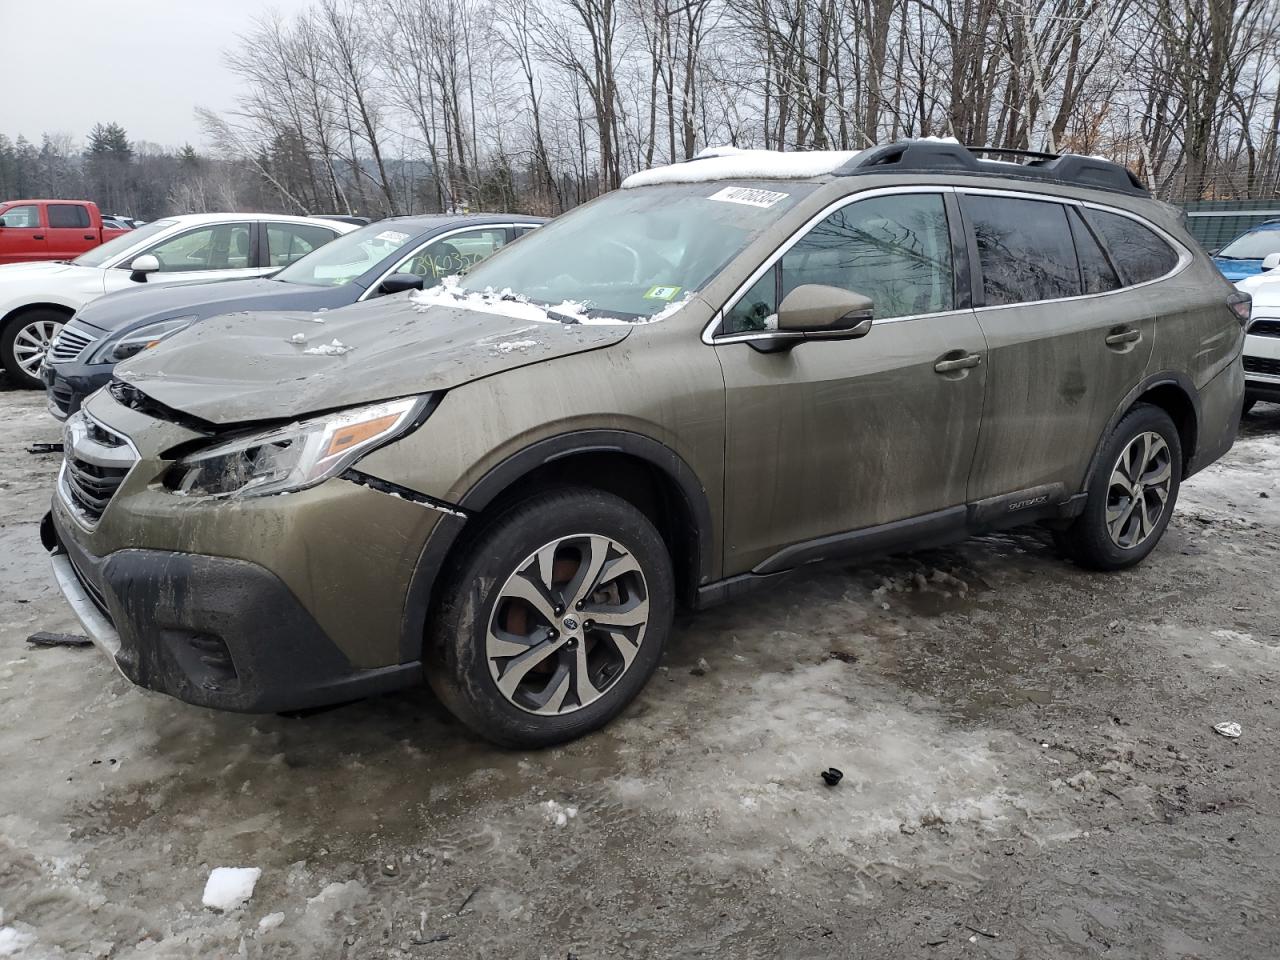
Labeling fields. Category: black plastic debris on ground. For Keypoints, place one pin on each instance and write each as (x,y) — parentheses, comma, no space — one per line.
(37,448)
(832,776)
(43,639)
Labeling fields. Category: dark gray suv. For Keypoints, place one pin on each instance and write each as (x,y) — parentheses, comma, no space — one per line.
(726,370)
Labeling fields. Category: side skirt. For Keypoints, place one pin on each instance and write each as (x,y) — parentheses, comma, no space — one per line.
(1044,503)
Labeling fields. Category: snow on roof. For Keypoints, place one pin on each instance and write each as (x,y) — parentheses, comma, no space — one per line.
(730,163)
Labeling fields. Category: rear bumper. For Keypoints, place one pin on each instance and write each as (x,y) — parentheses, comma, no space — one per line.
(1221,400)
(210,631)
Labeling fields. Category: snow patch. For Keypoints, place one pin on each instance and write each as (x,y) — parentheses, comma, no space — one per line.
(14,941)
(730,163)
(504,303)
(270,922)
(229,887)
(334,349)
(557,814)
(513,345)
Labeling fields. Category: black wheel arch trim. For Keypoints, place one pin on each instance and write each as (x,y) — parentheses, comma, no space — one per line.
(509,472)
(1166,378)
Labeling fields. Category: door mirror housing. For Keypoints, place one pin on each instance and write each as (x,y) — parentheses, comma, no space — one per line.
(1270,262)
(814,311)
(141,266)
(399,283)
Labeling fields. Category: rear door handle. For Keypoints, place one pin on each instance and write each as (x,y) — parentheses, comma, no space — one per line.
(1122,337)
(37,236)
(958,363)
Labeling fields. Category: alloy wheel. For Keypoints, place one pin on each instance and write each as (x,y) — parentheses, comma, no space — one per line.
(32,343)
(1139,490)
(567,624)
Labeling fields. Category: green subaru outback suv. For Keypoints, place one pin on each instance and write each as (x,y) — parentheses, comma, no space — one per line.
(724,371)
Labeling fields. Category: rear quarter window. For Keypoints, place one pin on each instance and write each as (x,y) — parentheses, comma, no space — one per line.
(1138,253)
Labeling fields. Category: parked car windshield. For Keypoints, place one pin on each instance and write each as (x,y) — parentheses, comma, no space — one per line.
(634,252)
(1256,245)
(101,254)
(344,258)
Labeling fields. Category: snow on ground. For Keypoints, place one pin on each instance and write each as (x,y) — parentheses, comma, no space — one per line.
(1027,748)
(229,887)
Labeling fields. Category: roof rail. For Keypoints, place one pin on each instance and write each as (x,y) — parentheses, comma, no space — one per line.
(940,156)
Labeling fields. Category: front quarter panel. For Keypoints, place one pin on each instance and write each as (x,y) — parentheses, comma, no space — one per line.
(660,382)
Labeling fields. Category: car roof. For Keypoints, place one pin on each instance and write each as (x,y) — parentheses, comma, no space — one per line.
(420,223)
(195,219)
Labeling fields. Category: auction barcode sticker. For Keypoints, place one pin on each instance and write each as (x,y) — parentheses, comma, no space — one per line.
(752,198)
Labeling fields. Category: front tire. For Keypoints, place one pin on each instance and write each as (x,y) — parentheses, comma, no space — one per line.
(554,619)
(1131,495)
(24,341)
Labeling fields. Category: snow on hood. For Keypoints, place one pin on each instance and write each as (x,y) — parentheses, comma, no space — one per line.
(730,163)
(245,367)
(504,303)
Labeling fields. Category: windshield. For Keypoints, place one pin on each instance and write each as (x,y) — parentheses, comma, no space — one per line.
(101,254)
(1255,245)
(633,253)
(343,259)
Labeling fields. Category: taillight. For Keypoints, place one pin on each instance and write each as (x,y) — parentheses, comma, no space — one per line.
(1241,305)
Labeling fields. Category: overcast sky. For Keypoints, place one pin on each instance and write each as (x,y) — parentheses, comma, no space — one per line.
(146,64)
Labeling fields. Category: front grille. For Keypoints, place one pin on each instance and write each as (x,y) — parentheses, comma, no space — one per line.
(95,462)
(1262,365)
(92,486)
(69,343)
(1265,328)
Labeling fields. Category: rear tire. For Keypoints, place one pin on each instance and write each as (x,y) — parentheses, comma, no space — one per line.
(24,341)
(553,620)
(1131,495)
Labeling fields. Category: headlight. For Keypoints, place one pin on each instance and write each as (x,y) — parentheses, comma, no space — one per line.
(293,457)
(135,341)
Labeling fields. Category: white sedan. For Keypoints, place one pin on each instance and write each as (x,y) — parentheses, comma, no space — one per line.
(36,299)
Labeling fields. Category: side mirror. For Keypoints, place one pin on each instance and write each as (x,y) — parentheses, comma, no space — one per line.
(814,311)
(1270,262)
(141,266)
(399,283)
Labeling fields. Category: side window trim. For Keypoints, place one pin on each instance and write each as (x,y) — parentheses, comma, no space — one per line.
(1076,212)
(436,238)
(710,334)
(1184,255)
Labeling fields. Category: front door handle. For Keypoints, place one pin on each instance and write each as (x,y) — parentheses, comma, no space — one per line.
(90,236)
(953,364)
(37,236)
(1122,337)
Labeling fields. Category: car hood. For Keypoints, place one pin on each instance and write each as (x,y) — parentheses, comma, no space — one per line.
(48,271)
(143,304)
(1237,269)
(247,367)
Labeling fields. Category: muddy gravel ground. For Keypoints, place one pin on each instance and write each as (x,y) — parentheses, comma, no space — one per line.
(1030,769)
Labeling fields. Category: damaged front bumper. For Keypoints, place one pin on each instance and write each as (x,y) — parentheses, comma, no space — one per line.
(256,605)
(211,631)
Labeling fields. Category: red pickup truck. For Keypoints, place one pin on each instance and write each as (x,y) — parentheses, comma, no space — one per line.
(50,229)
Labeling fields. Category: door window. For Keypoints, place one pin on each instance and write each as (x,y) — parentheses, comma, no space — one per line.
(68,216)
(452,254)
(1025,249)
(1139,254)
(287,242)
(26,217)
(223,246)
(895,250)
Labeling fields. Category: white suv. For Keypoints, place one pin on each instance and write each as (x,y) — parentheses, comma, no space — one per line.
(1262,339)
(36,299)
